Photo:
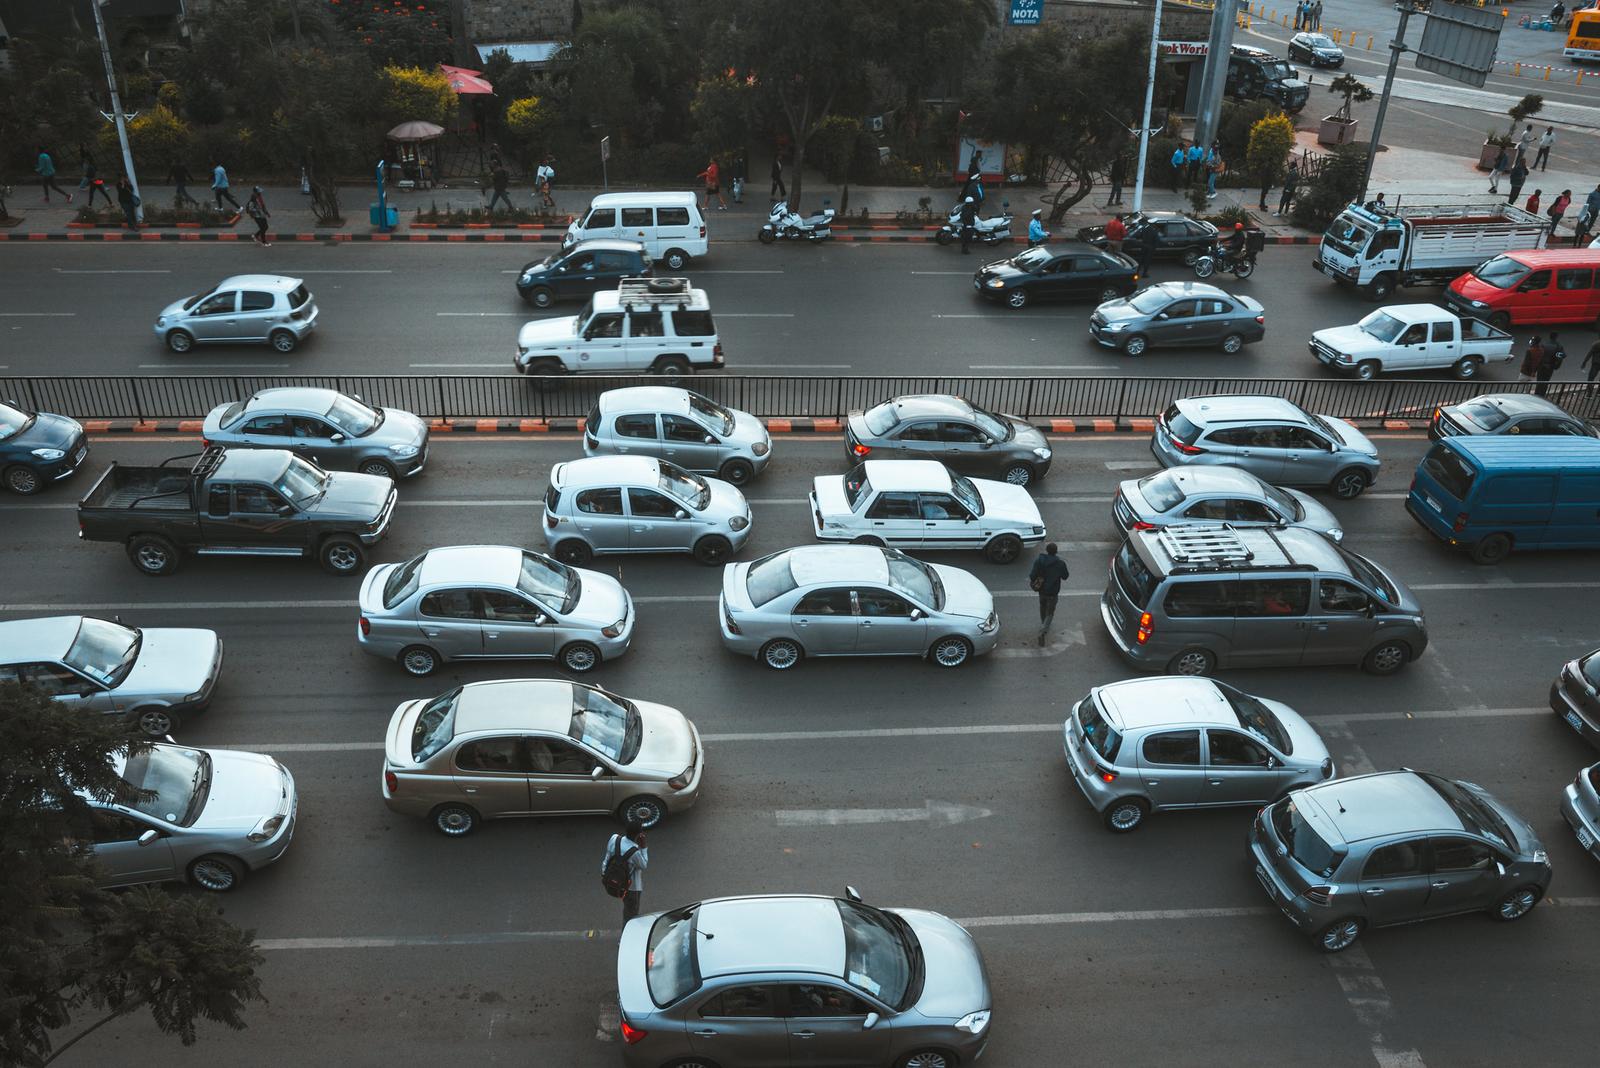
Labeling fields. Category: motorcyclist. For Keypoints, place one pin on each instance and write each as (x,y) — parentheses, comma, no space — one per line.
(1037,234)
(969,218)
(1234,248)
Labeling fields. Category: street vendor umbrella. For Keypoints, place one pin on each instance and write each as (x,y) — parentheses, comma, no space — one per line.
(415,130)
(465,82)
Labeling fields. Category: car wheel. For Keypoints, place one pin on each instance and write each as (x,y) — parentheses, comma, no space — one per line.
(1018,474)
(1339,935)
(867,539)
(1380,287)
(712,550)
(691,1062)
(1367,370)
(153,554)
(283,340)
(1189,256)
(737,471)
(574,553)
(642,811)
(1386,659)
(1193,662)
(781,654)
(381,468)
(1491,549)
(1110,293)
(154,722)
(23,479)
(579,657)
(675,259)
(342,556)
(1125,814)
(951,651)
(1516,904)
(1004,549)
(180,340)
(1232,343)
(1017,298)
(671,367)
(1348,484)
(1467,367)
(1135,345)
(418,660)
(216,873)
(539,296)
(546,368)
(455,821)
(927,1058)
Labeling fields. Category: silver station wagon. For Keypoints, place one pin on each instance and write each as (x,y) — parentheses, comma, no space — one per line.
(154,678)
(538,747)
(336,432)
(1148,745)
(638,504)
(1189,495)
(678,425)
(492,602)
(854,600)
(244,308)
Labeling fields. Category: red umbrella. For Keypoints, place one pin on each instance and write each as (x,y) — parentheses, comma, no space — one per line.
(465,82)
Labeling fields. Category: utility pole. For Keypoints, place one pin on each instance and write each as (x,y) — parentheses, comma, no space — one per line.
(116,108)
(1397,48)
(1224,19)
(1149,96)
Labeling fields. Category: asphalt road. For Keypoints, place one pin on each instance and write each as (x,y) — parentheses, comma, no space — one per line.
(844,309)
(387,943)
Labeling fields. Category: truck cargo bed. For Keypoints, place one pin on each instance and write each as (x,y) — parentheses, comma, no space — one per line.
(162,489)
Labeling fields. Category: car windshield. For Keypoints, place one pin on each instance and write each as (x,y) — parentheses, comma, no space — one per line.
(856,487)
(104,651)
(353,417)
(882,418)
(302,482)
(1149,301)
(1486,414)
(606,723)
(549,581)
(13,422)
(768,578)
(403,581)
(188,305)
(1446,467)
(1277,72)
(1032,259)
(1502,272)
(966,493)
(914,578)
(1161,491)
(1285,503)
(997,428)
(1305,845)
(1257,718)
(1382,326)
(1318,40)
(712,414)
(881,954)
(1353,232)
(176,782)
(435,726)
(582,317)
(1102,736)
(690,489)
(1475,813)
(669,958)
(1366,573)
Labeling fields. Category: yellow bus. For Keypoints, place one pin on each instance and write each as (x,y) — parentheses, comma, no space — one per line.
(1583,37)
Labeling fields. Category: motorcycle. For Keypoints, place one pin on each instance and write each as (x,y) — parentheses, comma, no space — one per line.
(789,225)
(990,231)
(1241,265)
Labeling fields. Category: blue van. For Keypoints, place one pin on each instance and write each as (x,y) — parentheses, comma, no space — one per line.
(1493,494)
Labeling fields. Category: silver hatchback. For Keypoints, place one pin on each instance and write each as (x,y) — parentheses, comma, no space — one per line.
(638,504)
(854,600)
(1148,745)
(492,602)
(679,425)
(246,307)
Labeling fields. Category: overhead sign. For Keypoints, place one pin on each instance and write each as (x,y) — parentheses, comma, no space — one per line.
(1026,12)
(1186,48)
(1459,42)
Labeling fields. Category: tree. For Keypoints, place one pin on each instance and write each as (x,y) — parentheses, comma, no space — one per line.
(1355,91)
(64,943)
(157,137)
(528,121)
(630,73)
(1531,104)
(1271,141)
(408,93)
(724,110)
(1339,182)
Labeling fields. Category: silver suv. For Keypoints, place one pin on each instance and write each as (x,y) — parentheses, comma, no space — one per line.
(1394,847)
(1148,745)
(1270,437)
(638,504)
(680,425)
(246,307)
(332,430)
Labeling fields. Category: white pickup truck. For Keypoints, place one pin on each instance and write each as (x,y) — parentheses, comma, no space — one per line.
(649,325)
(1411,337)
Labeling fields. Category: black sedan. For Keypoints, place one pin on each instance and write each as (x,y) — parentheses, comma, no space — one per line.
(1071,270)
(1316,49)
(581,271)
(37,448)
(1177,236)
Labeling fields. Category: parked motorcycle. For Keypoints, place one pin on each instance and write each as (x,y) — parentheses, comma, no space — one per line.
(990,231)
(791,226)
(1217,258)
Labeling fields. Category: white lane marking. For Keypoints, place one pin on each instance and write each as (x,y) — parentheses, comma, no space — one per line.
(64,270)
(755,315)
(938,812)
(608,1020)
(730,270)
(1131,465)
(1374,1009)
(1350,758)
(477,315)
(181,367)
(963,273)
(351,271)
(826,366)
(1041,367)
(38,315)
(995,315)
(502,363)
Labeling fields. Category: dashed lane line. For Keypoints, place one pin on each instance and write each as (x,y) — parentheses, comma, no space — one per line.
(1369,999)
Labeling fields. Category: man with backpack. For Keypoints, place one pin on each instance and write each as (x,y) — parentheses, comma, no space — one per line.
(622,869)
(1045,578)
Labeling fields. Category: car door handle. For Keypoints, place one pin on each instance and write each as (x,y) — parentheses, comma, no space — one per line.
(541,789)
(1374,890)
(1215,782)
(866,622)
(1439,886)
(469,789)
(802,1034)
(707,1033)
(1319,626)
(430,633)
(1152,782)
(491,634)
(801,622)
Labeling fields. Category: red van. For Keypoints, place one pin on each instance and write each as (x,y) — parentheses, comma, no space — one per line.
(1532,287)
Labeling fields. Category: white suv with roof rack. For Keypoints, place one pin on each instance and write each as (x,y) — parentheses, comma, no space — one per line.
(655,325)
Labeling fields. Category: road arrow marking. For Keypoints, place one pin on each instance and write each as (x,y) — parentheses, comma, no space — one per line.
(943,812)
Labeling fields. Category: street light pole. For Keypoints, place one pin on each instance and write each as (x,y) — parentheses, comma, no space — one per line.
(1149,98)
(116,109)
(1397,48)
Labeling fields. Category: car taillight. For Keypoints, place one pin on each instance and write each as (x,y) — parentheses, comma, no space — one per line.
(1319,895)
(205,443)
(1147,627)
(1461,522)
(1140,524)
(716,351)
(366,627)
(630,1033)
(550,520)
(1261,319)
(860,449)
(1187,450)
(391,782)
(702,230)
(1106,774)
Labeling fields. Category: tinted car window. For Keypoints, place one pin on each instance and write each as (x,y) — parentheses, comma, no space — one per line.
(1173,747)
(941,506)
(952,431)
(819,999)
(1295,437)
(672,216)
(768,578)
(217,304)
(638,216)
(742,1001)
(599,502)
(1205,597)
(503,755)
(1243,437)
(602,217)
(895,506)
(604,326)
(635,426)
(669,957)
(652,505)
(613,261)
(1394,861)
(1271,597)
(1213,509)
(1337,595)
(677,428)
(1448,469)
(824,603)
(919,432)
(881,603)
(256,500)
(251,300)
(498,604)
(1230,749)
(1460,854)
(553,757)
(1574,278)
(449,604)
(300,295)
(1133,577)
(275,425)
(692,324)
(1103,738)
(646,324)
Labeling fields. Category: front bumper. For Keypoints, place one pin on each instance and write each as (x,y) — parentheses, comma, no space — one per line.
(56,470)
(381,527)
(207,689)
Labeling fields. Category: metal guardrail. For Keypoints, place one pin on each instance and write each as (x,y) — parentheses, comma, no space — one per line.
(516,397)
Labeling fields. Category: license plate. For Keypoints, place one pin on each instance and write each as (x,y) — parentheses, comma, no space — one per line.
(1585,839)
(78,456)
(1433,504)
(1574,720)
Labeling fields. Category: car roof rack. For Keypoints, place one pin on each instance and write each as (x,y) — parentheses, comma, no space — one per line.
(1212,548)
(646,292)
(209,461)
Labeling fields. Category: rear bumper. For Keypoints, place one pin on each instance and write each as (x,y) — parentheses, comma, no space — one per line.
(1583,824)
(1580,720)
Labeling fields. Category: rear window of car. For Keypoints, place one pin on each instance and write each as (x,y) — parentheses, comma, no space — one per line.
(769,578)
(592,424)
(230,413)
(1101,735)
(552,500)
(1161,491)
(403,581)
(1135,579)
(435,726)
(881,419)
(300,295)
(669,959)
(672,216)
(1484,413)
(693,324)
(1309,849)
(1453,474)
(1180,426)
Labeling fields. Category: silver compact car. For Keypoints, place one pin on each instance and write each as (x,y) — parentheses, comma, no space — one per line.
(212,816)
(638,504)
(922,504)
(1188,495)
(244,308)
(740,981)
(154,678)
(1394,847)
(1580,804)
(492,602)
(854,600)
(538,747)
(1149,745)
(679,425)
(334,431)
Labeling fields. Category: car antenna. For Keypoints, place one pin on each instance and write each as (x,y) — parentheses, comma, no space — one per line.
(1341,806)
(708,935)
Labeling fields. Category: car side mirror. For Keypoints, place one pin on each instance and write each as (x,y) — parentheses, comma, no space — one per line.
(149,836)
(680,514)
(597,772)
(1500,868)
(985,444)
(88,692)
(870,1021)
(540,619)
(709,440)
(853,894)
(336,438)
(1161,316)
(1371,610)
(916,613)
(1273,762)
(286,509)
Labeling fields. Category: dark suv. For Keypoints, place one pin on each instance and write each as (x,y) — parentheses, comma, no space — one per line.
(1255,73)
(582,271)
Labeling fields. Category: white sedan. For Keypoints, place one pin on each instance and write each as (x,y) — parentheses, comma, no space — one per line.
(922,504)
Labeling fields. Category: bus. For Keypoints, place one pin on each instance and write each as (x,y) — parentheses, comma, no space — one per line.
(1583,37)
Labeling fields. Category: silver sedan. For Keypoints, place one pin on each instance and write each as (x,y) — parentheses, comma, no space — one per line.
(854,600)
(492,602)
(1188,495)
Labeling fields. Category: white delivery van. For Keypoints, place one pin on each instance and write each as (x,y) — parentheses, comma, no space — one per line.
(669,225)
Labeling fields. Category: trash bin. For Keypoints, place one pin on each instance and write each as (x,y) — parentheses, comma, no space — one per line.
(388,223)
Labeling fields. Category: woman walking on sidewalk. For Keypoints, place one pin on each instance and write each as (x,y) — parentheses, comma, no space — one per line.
(256,208)
(45,168)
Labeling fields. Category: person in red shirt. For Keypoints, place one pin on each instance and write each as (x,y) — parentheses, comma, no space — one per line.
(713,176)
(1533,202)
(1116,233)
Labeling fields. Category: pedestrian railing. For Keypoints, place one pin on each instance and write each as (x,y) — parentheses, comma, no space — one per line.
(767,396)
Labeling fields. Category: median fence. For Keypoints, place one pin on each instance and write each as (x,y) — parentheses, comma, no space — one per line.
(462,397)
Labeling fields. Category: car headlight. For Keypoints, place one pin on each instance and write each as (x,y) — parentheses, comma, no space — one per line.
(161,321)
(1113,327)
(760,448)
(1479,304)
(403,451)
(738,522)
(615,630)
(269,827)
(1038,530)
(1540,857)
(682,779)
(988,627)
(1042,453)
(527,276)
(996,283)
(48,454)
(193,697)
(973,1023)
(1336,534)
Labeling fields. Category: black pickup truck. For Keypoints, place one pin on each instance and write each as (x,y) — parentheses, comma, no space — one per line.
(244,502)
